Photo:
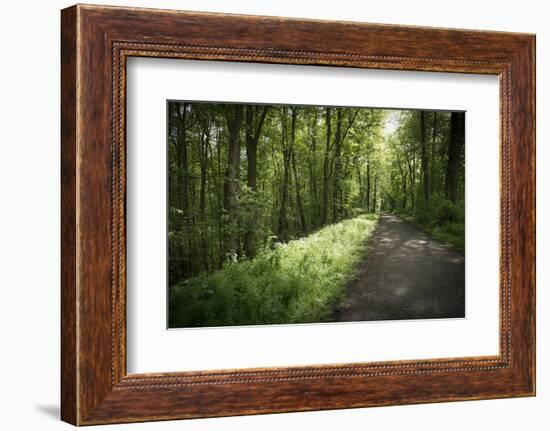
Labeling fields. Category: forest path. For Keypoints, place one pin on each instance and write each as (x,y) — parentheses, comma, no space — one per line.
(406,275)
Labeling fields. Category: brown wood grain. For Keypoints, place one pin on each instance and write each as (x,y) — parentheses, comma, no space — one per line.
(96,41)
(68,217)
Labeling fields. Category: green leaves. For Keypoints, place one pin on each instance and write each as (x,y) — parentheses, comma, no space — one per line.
(246,181)
(297,282)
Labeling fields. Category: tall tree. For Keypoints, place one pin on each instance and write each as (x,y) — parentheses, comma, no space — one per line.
(283,222)
(182,180)
(424,157)
(302,217)
(403,174)
(455,149)
(255,117)
(375,193)
(254,124)
(326,167)
(341,134)
(231,184)
(312,165)
(204,120)
(336,187)
(181,149)
(368,185)
(433,170)
(411,164)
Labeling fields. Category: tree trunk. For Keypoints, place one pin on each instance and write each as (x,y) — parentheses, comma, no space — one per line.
(360,180)
(403,174)
(456,146)
(205,142)
(303,224)
(181,150)
(410,165)
(368,186)
(253,130)
(336,180)
(312,159)
(283,222)
(424,155)
(231,245)
(251,149)
(433,180)
(326,173)
(219,198)
(182,183)
(254,126)
(375,193)
(404,203)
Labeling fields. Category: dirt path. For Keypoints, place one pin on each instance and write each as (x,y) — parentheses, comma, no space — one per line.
(406,275)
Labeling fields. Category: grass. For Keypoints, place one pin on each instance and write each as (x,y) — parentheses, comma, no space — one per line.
(450,233)
(297,282)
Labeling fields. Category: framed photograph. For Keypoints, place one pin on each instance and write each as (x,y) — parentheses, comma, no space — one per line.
(264,215)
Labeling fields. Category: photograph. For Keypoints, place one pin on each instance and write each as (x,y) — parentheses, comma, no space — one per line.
(275,209)
(289,214)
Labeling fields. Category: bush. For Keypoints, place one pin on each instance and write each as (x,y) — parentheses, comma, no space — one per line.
(438,212)
(452,233)
(441,218)
(297,282)
(447,212)
(424,214)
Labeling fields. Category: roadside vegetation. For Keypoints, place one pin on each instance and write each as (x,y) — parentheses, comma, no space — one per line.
(296,282)
(443,220)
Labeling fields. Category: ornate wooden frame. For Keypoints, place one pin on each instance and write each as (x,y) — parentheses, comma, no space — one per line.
(95,43)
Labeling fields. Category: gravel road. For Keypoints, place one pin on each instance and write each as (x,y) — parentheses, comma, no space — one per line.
(406,275)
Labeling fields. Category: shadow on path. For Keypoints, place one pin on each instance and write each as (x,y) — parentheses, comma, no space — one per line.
(405,275)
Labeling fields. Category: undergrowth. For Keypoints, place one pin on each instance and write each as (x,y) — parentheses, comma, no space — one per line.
(297,282)
(443,220)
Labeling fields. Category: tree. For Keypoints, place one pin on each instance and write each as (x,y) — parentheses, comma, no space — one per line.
(254,124)
(255,118)
(455,150)
(303,224)
(424,157)
(181,148)
(337,192)
(326,167)
(336,188)
(283,222)
(312,167)
(231,184)
(369,207)
(433,154)
(205,123)
(179,113)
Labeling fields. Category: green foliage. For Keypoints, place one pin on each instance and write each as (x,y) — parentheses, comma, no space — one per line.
(246,182)
(442,219)
(451,233)
(218,216)
(447,213)
(404,176)
(296,282)
(439,212)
